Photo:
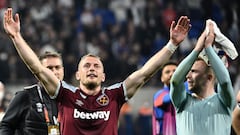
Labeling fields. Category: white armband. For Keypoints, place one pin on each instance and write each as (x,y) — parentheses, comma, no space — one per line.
(171,47)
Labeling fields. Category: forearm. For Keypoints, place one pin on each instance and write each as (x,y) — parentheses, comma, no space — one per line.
(177,88)
(141,76)
(184,67)
(44,75)
(156,62)
(223,77)
(217,65)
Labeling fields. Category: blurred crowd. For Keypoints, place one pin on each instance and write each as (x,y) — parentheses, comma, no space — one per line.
(124,33)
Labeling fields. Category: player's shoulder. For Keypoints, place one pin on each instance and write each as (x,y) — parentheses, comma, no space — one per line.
(68,86)
(34,86)
(114,86)
(27,89)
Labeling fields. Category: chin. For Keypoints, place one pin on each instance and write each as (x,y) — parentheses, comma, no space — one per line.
(91,85)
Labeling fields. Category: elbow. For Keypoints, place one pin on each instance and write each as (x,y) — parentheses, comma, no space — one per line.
(174,82)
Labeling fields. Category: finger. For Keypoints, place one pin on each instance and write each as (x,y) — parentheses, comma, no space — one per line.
(5,19)
(10,14)
(187,23)
(189,27)
(17,18)
(211,34)
(180,21)
(184,22)
(211,27)
(172,25)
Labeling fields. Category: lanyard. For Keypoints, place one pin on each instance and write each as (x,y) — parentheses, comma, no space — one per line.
(46,115)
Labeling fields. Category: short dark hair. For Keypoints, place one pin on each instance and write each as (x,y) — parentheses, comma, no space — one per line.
(90,55)
(48,54)
(170,63)
(167,64)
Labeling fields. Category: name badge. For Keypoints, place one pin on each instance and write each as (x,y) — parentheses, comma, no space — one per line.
(53,130)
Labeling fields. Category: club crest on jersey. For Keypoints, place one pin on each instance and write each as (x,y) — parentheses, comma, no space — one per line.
(103,100)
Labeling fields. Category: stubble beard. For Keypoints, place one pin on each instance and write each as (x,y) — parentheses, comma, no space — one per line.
(91,85)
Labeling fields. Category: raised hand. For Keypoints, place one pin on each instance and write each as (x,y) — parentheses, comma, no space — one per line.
(180,31)
(210,37)
(200,42)
(11,25)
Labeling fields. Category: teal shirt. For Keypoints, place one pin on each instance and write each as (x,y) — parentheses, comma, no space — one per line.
(210,116)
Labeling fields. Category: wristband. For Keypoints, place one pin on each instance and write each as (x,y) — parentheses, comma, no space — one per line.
(171,47)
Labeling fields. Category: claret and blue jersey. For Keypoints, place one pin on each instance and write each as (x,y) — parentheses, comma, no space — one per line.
(86,114)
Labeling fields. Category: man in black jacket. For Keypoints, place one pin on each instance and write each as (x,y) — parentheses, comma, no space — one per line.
(32,111)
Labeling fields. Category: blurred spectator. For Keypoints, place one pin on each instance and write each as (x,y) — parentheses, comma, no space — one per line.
(120,7)
(163,117)
(126,126)
(168,14)
(144,120)
(78,27)
(40,10)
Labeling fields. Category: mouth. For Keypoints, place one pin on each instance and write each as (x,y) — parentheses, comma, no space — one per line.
(91,75)
(190,82)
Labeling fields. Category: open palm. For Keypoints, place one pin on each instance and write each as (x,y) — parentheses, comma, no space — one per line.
(179,32)
(11,26)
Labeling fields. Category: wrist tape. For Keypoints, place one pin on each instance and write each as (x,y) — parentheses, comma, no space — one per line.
(171,47)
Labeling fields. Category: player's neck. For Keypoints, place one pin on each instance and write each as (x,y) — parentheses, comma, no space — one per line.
(207,92)
(88,91)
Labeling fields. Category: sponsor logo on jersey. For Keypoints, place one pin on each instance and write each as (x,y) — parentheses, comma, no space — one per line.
(39,107)
(79,102)
(91,115)
(103,100)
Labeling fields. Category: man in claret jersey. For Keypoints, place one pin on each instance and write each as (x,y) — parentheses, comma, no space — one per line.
(90,109)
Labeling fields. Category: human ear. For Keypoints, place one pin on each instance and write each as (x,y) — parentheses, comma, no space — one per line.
(103,78)
(77,75)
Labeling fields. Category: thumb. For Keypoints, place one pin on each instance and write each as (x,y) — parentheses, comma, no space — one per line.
(17,18)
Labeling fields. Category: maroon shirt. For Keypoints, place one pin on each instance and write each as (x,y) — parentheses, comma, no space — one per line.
(82,114)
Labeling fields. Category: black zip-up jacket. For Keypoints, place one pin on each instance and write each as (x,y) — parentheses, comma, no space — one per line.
(25,115)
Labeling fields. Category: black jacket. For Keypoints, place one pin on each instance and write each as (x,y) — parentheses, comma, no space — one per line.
(22,116)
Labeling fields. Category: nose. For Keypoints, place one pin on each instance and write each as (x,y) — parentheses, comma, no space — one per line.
(91,68)
(55,70)
(188,75)
(171,73)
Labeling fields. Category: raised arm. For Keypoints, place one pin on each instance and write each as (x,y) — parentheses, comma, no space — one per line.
(177,34)
(225,85)
(177,88)
(44,75)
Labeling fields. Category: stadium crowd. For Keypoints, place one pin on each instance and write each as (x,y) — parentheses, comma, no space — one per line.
(124,33)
